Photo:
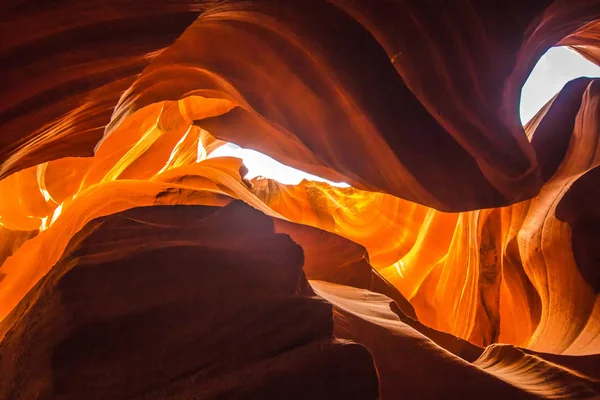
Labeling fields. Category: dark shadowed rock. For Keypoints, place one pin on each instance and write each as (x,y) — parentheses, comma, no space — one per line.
(152,298)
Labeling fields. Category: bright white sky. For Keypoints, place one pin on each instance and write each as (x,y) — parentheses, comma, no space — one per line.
(558,66)
(259,164)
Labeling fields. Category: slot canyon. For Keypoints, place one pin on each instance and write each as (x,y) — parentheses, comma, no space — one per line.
(443,250)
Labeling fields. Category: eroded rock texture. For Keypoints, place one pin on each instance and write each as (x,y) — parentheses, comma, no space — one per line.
(462,262)
(172,302)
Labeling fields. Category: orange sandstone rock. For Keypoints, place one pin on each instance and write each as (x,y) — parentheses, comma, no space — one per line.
(464,256)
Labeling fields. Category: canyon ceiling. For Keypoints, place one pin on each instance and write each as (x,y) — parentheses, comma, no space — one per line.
(462,262)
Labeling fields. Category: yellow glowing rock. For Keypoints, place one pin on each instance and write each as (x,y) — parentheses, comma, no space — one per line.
(466,246)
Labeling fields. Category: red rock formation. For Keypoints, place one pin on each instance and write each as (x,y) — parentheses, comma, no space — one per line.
(464,255)
(169,302)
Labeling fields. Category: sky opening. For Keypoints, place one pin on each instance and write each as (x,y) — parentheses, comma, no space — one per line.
(554,69)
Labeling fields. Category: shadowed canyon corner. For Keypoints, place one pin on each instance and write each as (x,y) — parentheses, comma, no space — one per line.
(431,234)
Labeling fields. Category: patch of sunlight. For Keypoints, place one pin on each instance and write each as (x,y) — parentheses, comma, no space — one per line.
(555,68)
(259,164)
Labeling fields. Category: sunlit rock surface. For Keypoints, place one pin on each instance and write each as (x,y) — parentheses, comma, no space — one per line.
(463,260)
